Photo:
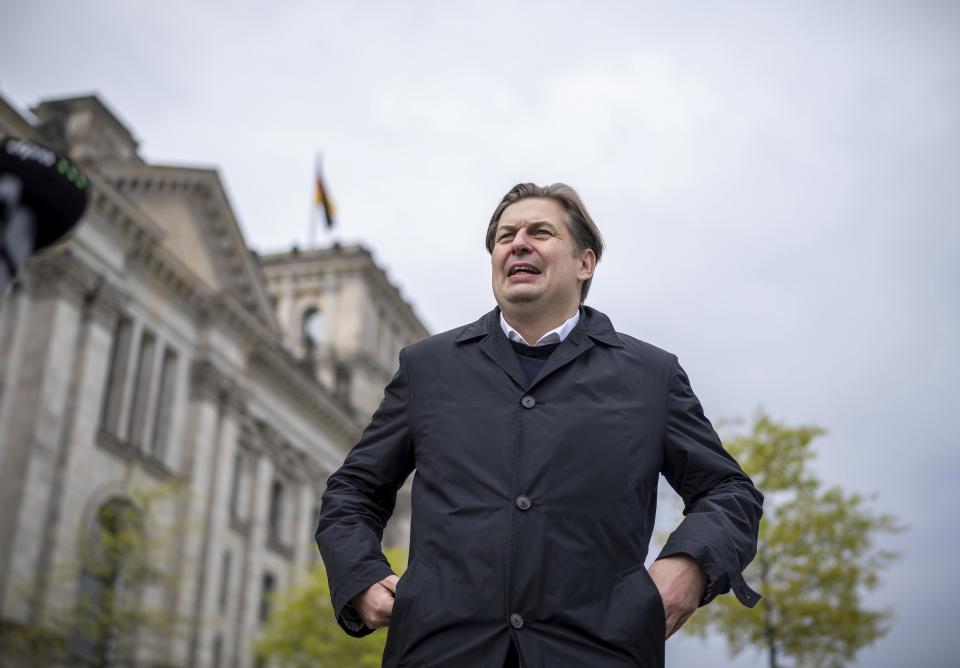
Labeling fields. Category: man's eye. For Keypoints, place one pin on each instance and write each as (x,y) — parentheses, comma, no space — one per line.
(543,234)
(505,237)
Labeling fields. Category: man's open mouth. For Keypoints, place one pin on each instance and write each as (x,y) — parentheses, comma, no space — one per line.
(523,269)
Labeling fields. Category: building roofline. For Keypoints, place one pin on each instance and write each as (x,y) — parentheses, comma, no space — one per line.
(91,97)
(354,251)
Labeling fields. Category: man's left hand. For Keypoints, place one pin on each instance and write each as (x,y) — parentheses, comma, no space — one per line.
(681,583)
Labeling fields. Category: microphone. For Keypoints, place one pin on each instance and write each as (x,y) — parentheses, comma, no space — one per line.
(42,196)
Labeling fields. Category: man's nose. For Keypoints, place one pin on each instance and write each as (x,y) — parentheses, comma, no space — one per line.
(520,243)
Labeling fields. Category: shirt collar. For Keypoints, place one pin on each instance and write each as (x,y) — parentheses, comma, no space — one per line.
(555,335)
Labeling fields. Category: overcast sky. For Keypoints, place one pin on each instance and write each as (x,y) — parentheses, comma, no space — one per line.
(778,185)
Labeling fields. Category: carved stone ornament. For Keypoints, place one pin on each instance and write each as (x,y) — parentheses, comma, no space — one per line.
(58,273)
(107,303)
(207,381)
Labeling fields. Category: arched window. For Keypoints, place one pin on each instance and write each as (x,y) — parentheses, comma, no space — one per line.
(110,554)
(310,328)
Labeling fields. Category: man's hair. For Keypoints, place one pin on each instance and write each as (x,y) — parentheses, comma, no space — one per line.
(581,225)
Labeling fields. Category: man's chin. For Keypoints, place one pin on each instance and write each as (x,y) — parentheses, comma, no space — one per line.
(522,296)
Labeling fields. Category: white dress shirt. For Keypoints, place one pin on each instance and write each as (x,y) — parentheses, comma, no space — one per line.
(555,335)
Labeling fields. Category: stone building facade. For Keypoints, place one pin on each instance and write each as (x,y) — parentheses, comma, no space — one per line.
(154,348)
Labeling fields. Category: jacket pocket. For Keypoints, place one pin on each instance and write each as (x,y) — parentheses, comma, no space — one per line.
(404,615)
(640,613)
(398,616)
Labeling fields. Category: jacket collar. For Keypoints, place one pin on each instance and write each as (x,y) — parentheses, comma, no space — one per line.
(594,326)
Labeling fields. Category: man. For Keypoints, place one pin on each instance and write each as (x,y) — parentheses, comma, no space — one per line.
(538,434)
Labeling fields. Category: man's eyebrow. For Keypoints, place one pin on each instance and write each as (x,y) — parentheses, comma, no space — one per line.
(533,223)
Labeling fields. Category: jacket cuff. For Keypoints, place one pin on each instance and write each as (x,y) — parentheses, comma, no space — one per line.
(347,617)
(720,580)
(349,620)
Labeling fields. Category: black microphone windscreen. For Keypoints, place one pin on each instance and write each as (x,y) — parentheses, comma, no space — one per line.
(55,190)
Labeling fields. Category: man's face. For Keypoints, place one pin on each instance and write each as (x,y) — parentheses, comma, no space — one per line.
(534,258)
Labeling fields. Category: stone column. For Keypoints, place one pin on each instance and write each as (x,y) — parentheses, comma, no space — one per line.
(301,497)
(209,390)
(216,526)
(35,422)
(70,486)
(16,318)
(248,624)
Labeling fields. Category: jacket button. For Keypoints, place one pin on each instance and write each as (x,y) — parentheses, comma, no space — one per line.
(523,502)
(516,621)
(528,402)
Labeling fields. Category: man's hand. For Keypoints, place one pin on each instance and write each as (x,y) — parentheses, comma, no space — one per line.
(375,604)
(681,583)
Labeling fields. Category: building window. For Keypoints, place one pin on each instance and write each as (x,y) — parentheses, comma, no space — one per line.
(116,376)
(243,473)
(275,516)
(266,597)
(235,484)
(164,414)
(131,400)
(224,581)
(141,390)
(310,326)
(217,651)
(110,545)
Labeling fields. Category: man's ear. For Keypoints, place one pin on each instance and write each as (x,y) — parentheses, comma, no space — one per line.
(588,262)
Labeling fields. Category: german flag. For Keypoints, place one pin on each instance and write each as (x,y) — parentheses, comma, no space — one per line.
(322,199)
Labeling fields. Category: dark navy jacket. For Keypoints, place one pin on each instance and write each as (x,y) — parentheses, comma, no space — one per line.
(533,503)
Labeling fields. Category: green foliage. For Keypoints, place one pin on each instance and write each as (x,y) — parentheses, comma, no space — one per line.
(816,557)
(108,621)
(303,631)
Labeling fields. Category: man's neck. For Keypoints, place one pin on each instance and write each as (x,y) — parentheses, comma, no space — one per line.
(533,325)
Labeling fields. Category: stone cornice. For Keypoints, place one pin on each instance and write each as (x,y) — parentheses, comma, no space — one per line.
(13,123)
(231,253)
(59,273)
(107,303)
(259,437)
(284,456)
(281,366)
(147,255)
(292,462)
(227,310)
(249,437)
(153,260)
(209,382)
(126,218)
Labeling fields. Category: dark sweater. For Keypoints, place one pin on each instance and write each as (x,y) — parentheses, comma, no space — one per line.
(532,358)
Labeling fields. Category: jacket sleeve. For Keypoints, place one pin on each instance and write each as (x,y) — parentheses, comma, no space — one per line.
(360,498)
(722,508)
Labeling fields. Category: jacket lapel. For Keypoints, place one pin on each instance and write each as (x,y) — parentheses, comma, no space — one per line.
(494,344)
(569,349)
(593,326)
